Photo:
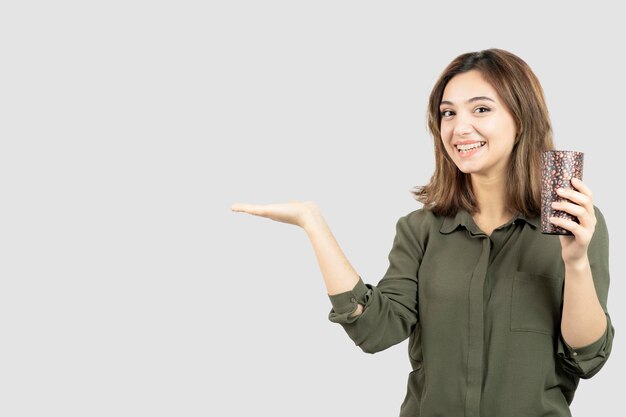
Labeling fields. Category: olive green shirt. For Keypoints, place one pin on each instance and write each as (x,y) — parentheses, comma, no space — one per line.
(482,314)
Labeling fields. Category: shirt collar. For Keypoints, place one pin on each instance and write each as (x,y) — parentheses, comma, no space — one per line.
(463,218)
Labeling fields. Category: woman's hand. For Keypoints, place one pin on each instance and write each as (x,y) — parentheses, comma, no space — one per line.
(574,248)
(292,212)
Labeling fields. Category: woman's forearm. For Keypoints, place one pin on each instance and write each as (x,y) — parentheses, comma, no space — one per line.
(583,320)
(338,274)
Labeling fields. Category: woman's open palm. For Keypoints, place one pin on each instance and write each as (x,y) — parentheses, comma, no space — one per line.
(292,212)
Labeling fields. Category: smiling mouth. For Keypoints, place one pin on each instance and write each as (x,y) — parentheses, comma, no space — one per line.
(469,147)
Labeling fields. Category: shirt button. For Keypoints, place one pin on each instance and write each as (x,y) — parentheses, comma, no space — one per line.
(574,354)
(353,300)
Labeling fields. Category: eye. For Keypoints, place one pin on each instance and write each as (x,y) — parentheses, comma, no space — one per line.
(482,109)
(446,113)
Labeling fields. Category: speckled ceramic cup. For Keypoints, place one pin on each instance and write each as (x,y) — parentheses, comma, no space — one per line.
(557,170)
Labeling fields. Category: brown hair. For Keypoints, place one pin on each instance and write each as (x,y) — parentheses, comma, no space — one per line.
(450,189)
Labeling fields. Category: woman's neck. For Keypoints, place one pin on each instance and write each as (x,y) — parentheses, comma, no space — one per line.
(491,198)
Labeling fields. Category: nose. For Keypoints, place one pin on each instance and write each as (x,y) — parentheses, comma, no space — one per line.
(462,125)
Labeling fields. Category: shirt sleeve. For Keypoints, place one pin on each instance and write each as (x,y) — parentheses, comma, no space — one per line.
(390,308)
(584,362)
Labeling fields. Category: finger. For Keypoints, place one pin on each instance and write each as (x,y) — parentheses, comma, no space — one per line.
(576,197)
(586,217)
(571,208)
(247,208)
(580,186)
(567,224)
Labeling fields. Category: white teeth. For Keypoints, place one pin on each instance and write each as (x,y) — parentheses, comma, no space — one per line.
(465,148)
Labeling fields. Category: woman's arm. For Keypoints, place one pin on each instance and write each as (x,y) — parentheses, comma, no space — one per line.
(339,275)
(583,319)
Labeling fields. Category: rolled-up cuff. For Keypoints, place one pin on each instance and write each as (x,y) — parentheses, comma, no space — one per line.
(345,303)
(586,361)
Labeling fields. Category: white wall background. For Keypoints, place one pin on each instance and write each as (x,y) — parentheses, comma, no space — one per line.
(128,128)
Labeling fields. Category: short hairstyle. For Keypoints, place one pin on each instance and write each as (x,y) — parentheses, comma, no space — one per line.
(450,189)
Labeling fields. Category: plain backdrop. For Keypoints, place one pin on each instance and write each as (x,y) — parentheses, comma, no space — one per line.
(128,128)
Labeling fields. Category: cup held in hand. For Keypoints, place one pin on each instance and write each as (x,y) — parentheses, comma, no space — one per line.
(557,170)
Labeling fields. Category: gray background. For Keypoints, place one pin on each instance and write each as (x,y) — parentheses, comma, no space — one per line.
(128,128)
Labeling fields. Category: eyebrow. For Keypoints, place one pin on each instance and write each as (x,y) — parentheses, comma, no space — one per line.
(468,101)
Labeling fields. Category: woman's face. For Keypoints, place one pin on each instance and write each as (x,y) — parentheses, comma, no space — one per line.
(477,129)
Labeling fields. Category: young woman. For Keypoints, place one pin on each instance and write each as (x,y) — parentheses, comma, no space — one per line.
(502,320)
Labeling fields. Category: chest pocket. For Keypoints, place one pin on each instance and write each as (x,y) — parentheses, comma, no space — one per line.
(536,302)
